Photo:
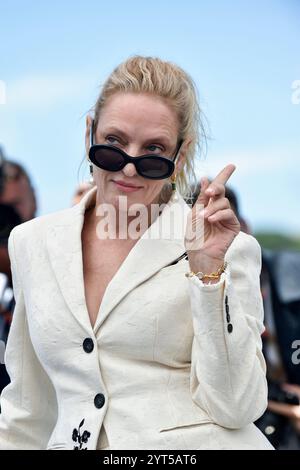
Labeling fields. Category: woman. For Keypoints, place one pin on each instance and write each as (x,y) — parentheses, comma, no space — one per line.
(117,341)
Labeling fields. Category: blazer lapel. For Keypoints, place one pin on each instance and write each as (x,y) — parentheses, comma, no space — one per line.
(65,253)
(159,246)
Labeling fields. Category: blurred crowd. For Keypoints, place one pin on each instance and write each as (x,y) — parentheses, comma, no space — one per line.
(280,289)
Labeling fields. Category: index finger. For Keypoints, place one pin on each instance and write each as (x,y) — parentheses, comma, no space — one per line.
(224,174)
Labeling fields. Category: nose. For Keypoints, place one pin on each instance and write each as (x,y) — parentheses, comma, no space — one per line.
(129,169)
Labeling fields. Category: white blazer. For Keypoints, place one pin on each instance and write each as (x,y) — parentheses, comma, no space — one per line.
(171,363)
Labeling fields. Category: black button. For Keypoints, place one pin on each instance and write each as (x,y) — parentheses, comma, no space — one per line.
(229,328)
(226,299)
(227,308)
(99,400)
(227,317)
(88,345)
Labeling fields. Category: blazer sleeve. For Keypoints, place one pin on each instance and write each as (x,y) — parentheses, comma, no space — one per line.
(228,370)
(28,403)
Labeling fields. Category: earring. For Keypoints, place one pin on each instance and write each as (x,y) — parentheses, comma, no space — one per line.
(91,180)
(173,182)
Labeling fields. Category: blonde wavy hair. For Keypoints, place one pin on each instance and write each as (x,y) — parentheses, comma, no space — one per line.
(152,75)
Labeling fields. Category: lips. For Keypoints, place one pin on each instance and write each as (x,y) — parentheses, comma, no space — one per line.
(127,185)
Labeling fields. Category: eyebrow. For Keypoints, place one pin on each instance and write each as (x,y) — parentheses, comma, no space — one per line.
(114,130)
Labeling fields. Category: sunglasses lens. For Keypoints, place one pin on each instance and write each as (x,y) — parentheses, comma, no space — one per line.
(108,159)
(155,168)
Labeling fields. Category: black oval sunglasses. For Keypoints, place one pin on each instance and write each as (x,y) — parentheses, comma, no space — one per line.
(111,158)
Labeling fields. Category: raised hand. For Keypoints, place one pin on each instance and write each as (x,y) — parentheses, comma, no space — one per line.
(212,225)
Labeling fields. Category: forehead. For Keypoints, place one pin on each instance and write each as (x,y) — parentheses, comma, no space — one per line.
(141,115)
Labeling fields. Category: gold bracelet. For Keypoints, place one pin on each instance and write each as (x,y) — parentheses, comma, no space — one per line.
(215,275)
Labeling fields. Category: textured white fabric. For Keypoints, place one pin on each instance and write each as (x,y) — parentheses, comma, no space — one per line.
(172,375)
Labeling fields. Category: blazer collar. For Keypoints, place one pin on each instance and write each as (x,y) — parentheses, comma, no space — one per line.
(159,246)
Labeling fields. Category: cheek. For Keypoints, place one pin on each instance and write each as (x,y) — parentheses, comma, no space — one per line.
(152,190)
(101,177)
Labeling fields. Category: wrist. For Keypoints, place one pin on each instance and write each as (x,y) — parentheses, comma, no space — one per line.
(205,264)
(209,271)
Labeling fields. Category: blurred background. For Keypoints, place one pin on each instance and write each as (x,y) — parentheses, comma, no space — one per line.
(244,57)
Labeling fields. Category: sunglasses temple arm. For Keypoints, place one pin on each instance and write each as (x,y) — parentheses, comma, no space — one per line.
(177,151)
(92,133)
